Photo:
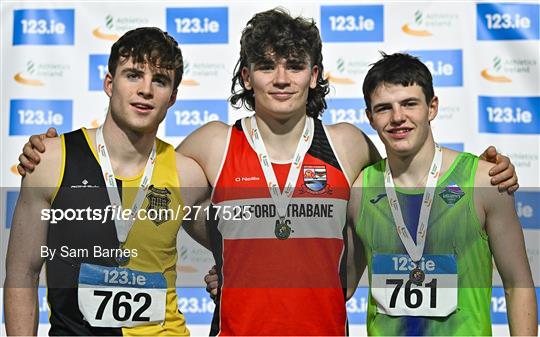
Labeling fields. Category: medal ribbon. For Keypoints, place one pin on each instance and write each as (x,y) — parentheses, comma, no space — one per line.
(282,199)
(415,251)
(123,226)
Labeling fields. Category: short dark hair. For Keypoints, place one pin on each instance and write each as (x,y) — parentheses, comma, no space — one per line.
(277,33)
(148,44)
(398,68)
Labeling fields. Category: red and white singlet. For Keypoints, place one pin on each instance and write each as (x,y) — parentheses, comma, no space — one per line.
(280,286)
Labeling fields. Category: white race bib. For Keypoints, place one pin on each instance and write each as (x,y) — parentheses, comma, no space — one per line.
(396,295)
(120,297)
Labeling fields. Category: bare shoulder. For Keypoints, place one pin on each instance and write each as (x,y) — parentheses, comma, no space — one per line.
(345,132)
(46,176)
(213,128)
(353,147)
(487,196)
(212,133)
(482,177)
(189,172)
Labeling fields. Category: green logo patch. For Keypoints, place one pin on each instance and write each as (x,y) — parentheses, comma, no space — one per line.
(452,194)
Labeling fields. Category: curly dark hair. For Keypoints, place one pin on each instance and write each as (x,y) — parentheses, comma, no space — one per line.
(148,44)
(398,68)
(277,33)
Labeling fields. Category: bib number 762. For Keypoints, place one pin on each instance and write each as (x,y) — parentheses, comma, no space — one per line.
(121,306)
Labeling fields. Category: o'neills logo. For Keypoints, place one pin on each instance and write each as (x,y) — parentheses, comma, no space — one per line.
(315,181)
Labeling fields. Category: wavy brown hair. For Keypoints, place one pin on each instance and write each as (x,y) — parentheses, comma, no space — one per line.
(277,33)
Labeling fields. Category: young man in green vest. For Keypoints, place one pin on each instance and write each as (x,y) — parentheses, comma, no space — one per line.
(429,221)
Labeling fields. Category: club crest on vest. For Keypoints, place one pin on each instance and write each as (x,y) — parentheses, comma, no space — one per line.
(315,181)
(158,204)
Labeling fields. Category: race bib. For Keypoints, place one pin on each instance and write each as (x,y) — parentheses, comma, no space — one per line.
(397,295)
(117,297)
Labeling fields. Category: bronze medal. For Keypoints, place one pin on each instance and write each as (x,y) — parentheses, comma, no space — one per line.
(282,229)
(417,276)
(121,258)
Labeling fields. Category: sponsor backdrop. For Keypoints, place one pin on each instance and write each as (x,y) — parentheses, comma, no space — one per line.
(483,57)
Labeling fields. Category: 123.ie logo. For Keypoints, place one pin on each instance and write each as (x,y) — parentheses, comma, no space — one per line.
(446,66)
(34,116)
(198,25)
(43,27)
(508,115)
(352,23)
(505,21)
(185,116)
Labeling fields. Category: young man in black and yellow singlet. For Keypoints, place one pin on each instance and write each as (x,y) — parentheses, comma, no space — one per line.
(108,273)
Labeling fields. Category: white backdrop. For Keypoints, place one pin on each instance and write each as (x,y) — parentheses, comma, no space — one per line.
(483,56)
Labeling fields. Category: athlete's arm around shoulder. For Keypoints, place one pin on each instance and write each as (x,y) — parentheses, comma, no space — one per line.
(356,261)
(496,210)
(195,193)
(206,146)
(353,147)
(28,234)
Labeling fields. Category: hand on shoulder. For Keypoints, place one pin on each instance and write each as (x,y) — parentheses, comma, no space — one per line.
(46,176)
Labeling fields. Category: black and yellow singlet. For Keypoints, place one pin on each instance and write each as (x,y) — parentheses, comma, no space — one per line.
(88,240)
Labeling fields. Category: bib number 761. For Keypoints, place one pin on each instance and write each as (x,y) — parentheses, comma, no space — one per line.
(396,295)
(413,297)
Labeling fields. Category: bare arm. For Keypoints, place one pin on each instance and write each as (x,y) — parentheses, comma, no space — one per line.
(206,146)
(356,261)
(202,151)
(508,248)
(28,234)
(195,191)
